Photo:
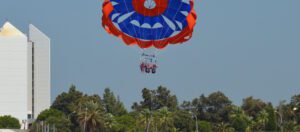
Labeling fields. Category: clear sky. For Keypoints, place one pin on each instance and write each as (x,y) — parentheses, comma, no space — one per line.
(240,47)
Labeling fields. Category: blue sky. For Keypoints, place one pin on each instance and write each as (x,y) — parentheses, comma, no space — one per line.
(242,48)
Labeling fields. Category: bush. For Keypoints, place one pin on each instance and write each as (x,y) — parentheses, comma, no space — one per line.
(9,122)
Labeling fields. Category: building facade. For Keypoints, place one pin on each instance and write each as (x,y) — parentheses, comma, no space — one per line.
(24,72)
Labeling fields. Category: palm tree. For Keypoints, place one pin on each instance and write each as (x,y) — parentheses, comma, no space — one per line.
(90,117)
(224,127)
(156,121)
(166,118)
(109,121)
(237,111)
(262,118)
(146,118)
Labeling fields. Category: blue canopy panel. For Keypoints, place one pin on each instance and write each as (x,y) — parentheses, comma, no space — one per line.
(170,23)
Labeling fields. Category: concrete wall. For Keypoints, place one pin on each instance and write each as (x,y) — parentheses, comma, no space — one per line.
(13,76)
(29,71)
(41,79)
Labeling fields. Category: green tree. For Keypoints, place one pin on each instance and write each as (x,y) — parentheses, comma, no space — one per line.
(86,98)
(271,124)
(296,128)
(54,123)
(70,102)
(110,122)
(198,106)
(289,112)
(49,113)
(66,102)
(252,106)
(295,108)
(187,106)
(183,121)
(91,116)
(156,99)
(9,122)
(239,121)
(112,104)
(145,118)
(214,108)
(223,127)
(53,118)
(157,122)
(147,103)
(165,99)
(262,119)
(125,123)
(204,126)
(166,119)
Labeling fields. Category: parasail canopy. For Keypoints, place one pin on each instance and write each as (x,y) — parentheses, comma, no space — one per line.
(150,23)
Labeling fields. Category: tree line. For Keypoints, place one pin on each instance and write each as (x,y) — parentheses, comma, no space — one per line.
(160,111)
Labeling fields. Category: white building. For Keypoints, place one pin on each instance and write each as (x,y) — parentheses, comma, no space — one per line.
(24,72)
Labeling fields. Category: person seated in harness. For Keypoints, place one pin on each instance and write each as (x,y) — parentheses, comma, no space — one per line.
(148,63)
(142,66)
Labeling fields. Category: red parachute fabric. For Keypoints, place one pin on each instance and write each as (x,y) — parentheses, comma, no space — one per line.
(183,36)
